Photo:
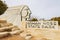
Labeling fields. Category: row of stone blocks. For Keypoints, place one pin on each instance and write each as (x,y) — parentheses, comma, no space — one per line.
(8,29)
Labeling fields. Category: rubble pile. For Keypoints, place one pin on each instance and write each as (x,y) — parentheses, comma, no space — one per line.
(8,29)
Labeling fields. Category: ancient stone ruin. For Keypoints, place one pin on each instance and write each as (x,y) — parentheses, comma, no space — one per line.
(8,29)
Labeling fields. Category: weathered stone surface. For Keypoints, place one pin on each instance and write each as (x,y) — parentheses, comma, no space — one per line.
(3,21)
(4,34)
(7,29)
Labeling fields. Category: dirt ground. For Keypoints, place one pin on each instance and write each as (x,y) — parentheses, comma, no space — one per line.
(14,37)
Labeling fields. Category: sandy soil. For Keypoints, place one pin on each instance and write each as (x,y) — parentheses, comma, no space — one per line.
(14,37)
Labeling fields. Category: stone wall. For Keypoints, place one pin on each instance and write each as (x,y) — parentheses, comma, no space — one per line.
(42,25)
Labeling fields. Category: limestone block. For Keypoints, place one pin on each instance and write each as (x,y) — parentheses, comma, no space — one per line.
(28,36)
(4,34)
(3,21)
(8,29)
(6,24)
(15,28)
(23,34)
(15,32)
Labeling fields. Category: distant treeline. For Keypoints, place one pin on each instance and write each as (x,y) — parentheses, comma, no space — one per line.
(3,7)
(56,19)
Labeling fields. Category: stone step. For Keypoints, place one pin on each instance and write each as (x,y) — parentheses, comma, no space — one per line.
(16,32)
(6,29)
(5,24)
(4,34)
(3,21)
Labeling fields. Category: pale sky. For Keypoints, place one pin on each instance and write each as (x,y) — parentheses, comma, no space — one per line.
(40,8)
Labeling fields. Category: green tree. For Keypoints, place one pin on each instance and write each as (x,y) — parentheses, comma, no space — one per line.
(56,19)
(3,7)
(34,19)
